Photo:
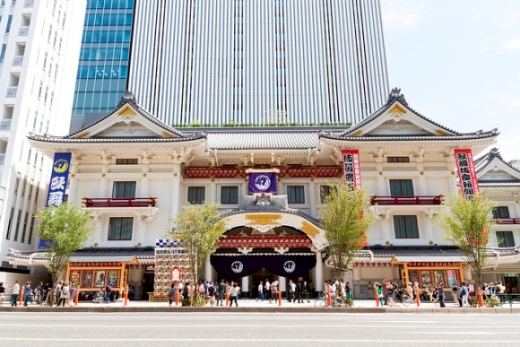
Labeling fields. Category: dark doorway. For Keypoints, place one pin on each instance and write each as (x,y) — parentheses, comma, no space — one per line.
(148,280)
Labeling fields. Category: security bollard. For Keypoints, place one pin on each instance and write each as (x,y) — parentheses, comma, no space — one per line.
(126,296)
(279,295)
(76,297)
(377,299)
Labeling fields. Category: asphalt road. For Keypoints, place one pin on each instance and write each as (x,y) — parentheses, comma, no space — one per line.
(257,329)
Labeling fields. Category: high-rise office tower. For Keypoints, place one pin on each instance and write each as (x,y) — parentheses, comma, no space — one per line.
(38,63)
(105,49)
(251,62)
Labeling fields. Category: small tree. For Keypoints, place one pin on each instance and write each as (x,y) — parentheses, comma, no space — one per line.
(346,224)
(200,228)
(64,230)
(467,226)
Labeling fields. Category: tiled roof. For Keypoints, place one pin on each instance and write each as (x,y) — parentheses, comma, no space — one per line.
(414,251)
(53,139)
(486,159)
(262,140)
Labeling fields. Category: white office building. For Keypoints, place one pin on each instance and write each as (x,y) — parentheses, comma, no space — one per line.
(38,61)
(236,62)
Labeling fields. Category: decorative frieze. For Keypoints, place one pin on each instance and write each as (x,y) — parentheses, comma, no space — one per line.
(234,172)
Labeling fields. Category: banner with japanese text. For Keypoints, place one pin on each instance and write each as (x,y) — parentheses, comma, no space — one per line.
(466,172)
(262,182)
(58,182)
(351,169)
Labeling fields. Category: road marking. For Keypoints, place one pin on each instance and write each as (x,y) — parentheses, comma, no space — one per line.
(61,339)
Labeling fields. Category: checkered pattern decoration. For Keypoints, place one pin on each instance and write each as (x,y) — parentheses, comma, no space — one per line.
(168,243)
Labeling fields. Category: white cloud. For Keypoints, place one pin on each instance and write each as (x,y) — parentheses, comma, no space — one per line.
(512,45)
(402,14)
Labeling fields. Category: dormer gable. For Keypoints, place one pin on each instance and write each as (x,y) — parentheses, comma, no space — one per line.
(397,118)
(127,121)
(492,168)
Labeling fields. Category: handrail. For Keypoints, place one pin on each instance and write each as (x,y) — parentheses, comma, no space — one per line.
(119,202)
(407,200)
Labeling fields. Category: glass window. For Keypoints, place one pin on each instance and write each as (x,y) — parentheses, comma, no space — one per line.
(505,239)
(124,189)
(229,195)
(325,192)
(296,194)
(127,161)
(401,188)
(406,227)
(501,212)
(120,229)
(196,195)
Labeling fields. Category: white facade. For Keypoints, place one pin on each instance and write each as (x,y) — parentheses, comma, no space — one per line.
(397,148)
(258,62)
(38,66)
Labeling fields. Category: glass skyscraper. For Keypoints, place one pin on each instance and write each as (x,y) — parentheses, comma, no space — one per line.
(104,57)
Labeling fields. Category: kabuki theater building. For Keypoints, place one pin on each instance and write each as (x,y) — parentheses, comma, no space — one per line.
(134,174)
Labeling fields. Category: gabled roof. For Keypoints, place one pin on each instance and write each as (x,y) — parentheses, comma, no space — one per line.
(127,123)
(493,170)
(397,121)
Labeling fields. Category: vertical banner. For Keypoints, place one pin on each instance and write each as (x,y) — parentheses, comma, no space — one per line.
(262,182)
(58,183)
(466,171)
(351,169)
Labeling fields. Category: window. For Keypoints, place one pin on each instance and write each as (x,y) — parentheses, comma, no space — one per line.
(120,229)
(398,159)
(196,195)
(401,188)
(505,239)
(229,195)
(126,161)
(325,192)
(296,194)
(124,189)
(406,227)
(501,212)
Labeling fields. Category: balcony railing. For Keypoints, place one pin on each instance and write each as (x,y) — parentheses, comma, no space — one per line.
(406,200)
(18,60)
(24,31)
(5,124)
(507,220)
(11,92)
(119,202)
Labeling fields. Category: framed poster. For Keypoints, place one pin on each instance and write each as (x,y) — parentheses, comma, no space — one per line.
(426,278)
(414,277)
(100,279)
(451,275)
(86,278)
(439,278)
(113,278)
(74,277)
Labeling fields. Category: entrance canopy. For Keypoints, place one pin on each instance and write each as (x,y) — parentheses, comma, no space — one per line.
(235,266)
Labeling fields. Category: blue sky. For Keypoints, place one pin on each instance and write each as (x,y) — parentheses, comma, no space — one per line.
(458,63)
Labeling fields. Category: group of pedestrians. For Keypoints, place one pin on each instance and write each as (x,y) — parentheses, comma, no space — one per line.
(63,294)
(296,292)
(215,292)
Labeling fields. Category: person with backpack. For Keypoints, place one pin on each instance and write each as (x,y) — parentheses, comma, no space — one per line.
(464,294)
(27,294)
(221,292)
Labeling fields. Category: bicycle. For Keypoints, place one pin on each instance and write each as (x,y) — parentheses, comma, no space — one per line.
(336,301)
(407,300)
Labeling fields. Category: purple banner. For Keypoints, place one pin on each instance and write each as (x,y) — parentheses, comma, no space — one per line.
(291,266)
(262,182)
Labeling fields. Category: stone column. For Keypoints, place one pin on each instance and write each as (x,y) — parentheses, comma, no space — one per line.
(245,287)
(175,195)
(312,198)
(318,273)
(208,274)
(73,183)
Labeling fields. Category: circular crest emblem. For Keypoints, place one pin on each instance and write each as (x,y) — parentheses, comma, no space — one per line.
(262,182)
(237,267)
(60,166)
(289,266)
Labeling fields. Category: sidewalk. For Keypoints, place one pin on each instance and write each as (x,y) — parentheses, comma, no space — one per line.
(252,305)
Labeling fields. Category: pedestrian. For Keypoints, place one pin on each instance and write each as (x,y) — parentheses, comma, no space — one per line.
(108,293)
(27,294)
(464,294)
(233,294)
(211,292)
(348,291)
(306,291)
(72,294)
(298,293)
(2,291)
(58,293)
(221,292)
(64,294)
(440,292)
(38,293)
(260,291)
(14,294)
(290,292)
(379,288)
(267,290)
(171,294)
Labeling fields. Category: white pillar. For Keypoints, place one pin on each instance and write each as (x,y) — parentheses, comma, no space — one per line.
(312,198)
(318,273)
(175,195)
(208,274)
(428,232)
(421,182)
(212,198)
(245,284)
